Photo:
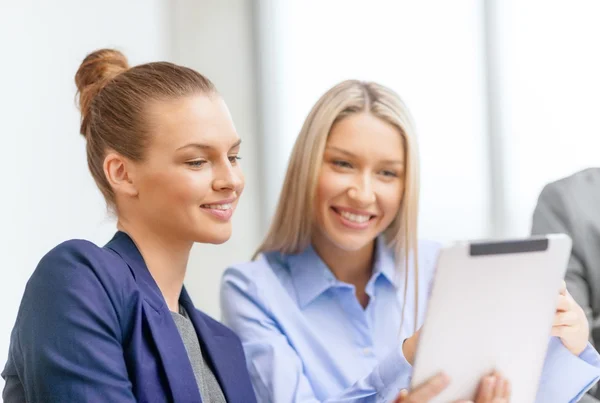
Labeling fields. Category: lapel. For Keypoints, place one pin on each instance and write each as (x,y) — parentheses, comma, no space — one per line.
(167,339)
(222,351)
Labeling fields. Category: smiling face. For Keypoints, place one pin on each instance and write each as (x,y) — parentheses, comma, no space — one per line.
(360,185)
(189,182)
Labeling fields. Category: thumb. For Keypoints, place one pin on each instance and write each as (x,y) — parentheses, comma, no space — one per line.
(563,288)
(403,394)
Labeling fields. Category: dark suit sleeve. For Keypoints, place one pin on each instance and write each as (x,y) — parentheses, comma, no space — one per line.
(552,215)
(66,344)
(13,389)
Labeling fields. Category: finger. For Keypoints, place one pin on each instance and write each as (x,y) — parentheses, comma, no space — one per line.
(563,331)
(402,396)
(563,288)
(565,319)
(506,391)
(563,303)
(429,389)
(486,389)
(499,389)
(557,332)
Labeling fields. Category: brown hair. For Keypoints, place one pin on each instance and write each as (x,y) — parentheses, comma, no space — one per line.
(113,99)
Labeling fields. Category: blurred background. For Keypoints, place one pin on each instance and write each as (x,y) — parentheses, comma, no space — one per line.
(505,95)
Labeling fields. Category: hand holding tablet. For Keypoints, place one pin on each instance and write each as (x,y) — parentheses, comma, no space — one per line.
(493,307)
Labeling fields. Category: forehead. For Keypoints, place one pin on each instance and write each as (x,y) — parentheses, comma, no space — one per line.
(200,118)
(366,135)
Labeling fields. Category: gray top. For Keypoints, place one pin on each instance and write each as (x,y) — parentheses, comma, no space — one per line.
(210,390)
(572,205)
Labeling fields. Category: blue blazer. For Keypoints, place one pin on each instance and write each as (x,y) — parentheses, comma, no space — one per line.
(94,327)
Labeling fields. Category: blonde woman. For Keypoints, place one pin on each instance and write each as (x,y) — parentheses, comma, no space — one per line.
(328,311)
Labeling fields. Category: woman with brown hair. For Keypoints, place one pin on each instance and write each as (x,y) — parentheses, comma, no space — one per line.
(114,323)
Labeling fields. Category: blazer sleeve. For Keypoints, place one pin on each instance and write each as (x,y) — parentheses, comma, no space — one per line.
(66,345)
(552,215)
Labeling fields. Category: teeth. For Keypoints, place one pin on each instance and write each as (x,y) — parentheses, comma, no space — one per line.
(218,206)
(355,217)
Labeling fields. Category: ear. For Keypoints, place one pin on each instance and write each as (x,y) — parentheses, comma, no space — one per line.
(120,174)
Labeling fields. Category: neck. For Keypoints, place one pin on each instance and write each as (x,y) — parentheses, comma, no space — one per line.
(166,258)
(352,267)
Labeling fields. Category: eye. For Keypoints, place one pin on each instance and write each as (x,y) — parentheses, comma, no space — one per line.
(342,163)
(389,173)
(234,159)
(196,163)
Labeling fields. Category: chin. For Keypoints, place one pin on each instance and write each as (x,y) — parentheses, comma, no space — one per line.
(218,241)
(214,237)
(350,243)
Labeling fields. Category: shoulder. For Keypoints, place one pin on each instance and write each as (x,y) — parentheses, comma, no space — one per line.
(428,251)
(80,270)
(581,178)
(76,294)
(427,254)
(579,182)
(76,259)
(255,288)
(265,271)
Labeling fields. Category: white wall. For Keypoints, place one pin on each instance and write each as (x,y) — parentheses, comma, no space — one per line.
(48,195)
(549,87)
(215,38)
(430,52)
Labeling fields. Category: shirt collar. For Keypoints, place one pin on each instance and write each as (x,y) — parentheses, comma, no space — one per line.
(384,262)
(312,277)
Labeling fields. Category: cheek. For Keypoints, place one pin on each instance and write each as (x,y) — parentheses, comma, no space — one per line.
(179,186)
(390,198)
(330,186)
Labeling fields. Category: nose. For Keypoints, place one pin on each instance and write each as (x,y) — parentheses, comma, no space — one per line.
(228,177)
(362,190)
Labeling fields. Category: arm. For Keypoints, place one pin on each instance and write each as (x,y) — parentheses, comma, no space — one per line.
(565,376)
(552,215)
(275,368)
(66,344)
(13,390)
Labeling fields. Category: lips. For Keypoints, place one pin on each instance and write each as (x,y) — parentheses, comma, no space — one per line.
(352,218)
(224,206)
(222,210)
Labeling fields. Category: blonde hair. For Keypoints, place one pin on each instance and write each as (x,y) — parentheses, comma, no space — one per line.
(291,229)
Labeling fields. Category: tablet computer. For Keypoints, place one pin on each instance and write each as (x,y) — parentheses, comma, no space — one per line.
(491,307)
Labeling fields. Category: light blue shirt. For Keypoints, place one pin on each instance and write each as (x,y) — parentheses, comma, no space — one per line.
(307,338)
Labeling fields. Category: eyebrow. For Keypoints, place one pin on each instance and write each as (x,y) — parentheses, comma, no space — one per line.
(206,146)
(401,161)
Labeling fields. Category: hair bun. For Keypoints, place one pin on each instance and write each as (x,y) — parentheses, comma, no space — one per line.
(97,69)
